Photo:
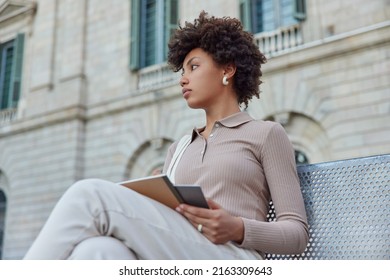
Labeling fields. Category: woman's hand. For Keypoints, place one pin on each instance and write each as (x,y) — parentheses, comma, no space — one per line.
(217,224)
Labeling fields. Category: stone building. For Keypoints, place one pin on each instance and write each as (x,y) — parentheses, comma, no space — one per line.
(85,91)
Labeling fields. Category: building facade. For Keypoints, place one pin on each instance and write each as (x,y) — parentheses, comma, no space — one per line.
(85,90)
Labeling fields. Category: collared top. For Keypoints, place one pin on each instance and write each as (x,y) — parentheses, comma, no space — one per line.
(243,163)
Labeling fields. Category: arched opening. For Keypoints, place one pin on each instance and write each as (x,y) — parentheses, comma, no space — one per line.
(148,158)
(310,141)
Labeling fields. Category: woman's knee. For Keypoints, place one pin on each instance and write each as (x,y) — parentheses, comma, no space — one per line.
(89,185)
(102,248)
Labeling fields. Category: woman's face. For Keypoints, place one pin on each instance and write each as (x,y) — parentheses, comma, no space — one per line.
(201,80)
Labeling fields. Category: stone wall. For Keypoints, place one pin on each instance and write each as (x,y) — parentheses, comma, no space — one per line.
(81,114)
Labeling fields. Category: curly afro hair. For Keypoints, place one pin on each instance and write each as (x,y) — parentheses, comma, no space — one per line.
(226,41)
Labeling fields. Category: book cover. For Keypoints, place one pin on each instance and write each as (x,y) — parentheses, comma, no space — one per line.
(161,189)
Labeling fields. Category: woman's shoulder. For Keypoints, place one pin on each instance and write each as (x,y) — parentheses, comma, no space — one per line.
(265,124)
(265,129)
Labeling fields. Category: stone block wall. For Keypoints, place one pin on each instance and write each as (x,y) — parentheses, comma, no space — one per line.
(81,114)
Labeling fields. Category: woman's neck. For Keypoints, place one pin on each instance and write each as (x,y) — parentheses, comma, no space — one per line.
(213,116)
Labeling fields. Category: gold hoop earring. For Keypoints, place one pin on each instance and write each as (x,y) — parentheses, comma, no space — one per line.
(225,81)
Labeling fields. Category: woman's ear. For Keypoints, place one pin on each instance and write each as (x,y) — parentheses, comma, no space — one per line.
(229,70)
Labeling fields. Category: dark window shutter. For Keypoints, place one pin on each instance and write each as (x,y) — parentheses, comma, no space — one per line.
(6,60)
(171,15)
(17,66)
(245,15)
(299,10)
(135,35)
(149,34)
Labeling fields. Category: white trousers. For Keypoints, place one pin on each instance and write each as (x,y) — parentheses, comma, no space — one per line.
(97,219)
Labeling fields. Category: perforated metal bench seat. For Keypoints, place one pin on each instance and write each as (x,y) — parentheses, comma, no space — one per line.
(348,208)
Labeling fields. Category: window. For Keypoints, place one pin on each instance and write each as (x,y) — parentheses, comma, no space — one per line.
(300,158)
(152,23)
(4,185)
(3,202)
(11,59)
(267,15)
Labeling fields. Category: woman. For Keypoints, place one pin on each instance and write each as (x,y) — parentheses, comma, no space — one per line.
(239,162)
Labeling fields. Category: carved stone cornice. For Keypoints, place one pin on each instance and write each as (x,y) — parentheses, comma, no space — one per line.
(11,8)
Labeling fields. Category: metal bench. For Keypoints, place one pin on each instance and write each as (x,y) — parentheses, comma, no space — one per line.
(348,208)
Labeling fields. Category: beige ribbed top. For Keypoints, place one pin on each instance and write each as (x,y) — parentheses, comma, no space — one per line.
(242,164)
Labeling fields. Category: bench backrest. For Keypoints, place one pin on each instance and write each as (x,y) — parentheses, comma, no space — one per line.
(348,208)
